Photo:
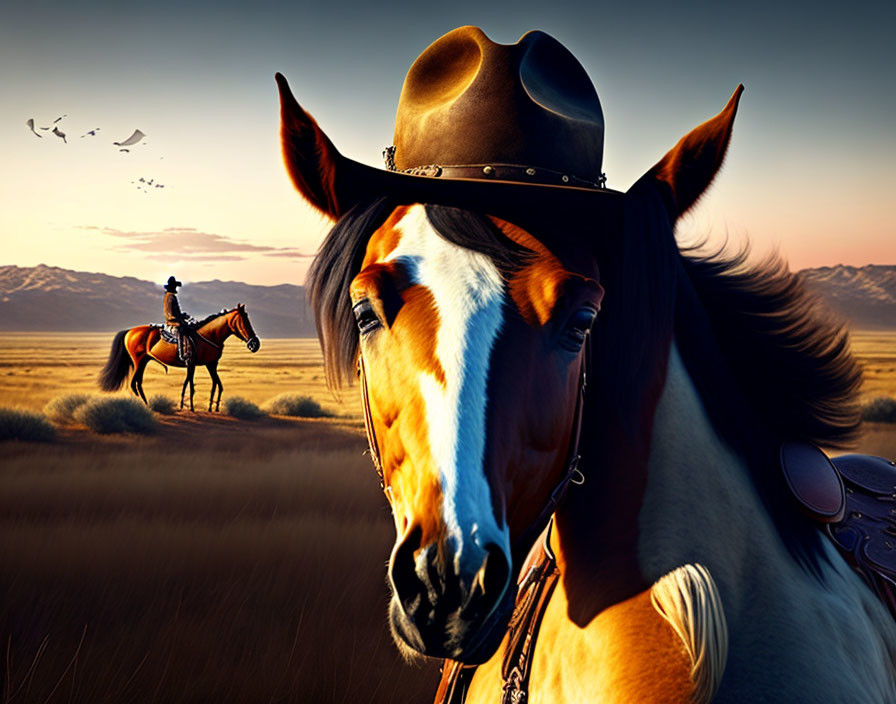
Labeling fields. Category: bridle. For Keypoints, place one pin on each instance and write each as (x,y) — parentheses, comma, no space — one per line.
(535,587)
(573,474)
(236,324)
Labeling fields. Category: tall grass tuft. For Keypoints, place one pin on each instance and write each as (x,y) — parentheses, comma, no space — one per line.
(294,405)
(116,415)
(161,405)
(62,409)
(238,407)
(16,424)
(880,410)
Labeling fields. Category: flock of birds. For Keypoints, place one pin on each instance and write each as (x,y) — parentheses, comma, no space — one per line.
(124,145)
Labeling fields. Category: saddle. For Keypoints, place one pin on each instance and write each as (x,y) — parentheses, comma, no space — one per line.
(853,497)
(176,336)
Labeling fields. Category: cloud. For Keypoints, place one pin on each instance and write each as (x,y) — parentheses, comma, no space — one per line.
(196,257)
(289,254)
(188,243)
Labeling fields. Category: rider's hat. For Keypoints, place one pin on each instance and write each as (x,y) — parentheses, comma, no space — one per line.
(478,124)
(172,284)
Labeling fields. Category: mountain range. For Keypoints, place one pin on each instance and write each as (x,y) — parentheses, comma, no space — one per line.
(50,299)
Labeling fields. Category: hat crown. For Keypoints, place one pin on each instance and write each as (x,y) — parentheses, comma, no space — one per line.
(468,100)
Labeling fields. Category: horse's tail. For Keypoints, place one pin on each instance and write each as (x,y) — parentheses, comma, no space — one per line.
(117,366)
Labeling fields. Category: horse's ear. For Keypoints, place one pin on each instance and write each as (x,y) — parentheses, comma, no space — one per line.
(691,165)
(321,174)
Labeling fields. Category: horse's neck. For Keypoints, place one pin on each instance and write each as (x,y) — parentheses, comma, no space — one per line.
(217,330)
(700,504)
(701,507)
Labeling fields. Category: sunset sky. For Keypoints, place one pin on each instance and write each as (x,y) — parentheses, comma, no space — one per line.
(810,169)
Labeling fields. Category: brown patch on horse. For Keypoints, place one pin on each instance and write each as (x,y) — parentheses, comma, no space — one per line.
(388,235)
(539,284)
(398,409)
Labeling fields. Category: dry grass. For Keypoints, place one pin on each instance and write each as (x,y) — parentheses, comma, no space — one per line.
(217,560)
(249,568)
(877,353)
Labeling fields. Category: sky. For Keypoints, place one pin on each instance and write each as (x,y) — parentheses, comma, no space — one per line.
(809,171)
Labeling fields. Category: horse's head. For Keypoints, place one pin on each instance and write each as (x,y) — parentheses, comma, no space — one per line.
(473,362)
(239,323)
(470,335)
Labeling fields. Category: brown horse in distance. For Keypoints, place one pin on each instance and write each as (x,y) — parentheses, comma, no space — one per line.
(134,348)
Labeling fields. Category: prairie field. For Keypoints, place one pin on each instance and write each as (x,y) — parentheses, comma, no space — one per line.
(216,560)
(35,367)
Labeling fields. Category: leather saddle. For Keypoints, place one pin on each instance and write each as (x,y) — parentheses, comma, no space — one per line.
(855,497)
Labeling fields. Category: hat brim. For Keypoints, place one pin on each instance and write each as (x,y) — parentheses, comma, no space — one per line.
(335,184)
(508,200)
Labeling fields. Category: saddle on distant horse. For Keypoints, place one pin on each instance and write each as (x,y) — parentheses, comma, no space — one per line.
(177,335)
(853,496)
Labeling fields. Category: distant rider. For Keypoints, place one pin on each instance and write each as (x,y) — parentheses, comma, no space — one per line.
(178,322)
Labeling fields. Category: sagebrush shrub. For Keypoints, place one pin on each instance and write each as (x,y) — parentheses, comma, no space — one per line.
(239,407)
(294,405)
(62,408)
(162,404)
(880,410)
(116,415)
(17,424)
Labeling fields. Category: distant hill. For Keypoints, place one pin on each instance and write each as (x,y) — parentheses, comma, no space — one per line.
(47,298)
(865,296)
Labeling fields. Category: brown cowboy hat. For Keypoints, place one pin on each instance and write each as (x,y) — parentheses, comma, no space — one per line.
(493,127)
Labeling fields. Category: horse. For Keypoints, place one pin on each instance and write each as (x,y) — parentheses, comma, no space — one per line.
(134,348)
(514,367)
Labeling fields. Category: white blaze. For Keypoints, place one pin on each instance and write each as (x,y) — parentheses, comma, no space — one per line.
(468,291)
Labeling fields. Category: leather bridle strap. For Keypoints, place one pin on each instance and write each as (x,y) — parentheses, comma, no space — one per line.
(368,424)
(573,473)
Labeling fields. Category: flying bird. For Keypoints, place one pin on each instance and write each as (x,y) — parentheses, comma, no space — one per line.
(133,139)
(30,123)
(59,134)
(91,133)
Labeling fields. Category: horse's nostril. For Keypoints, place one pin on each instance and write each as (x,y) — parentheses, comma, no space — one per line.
(402,574)
(490,581)
(497,572)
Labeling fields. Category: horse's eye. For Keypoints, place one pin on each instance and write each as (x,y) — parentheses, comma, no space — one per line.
(365,316)
(577,329)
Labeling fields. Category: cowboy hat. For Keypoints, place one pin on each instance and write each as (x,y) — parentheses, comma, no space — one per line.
(172,284)
(481,125)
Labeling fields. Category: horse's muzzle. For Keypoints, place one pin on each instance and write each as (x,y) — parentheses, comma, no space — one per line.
(253,344)
(439,613)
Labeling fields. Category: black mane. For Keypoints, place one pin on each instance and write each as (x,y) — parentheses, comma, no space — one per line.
(209,318)
(769,364)
(340,257)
